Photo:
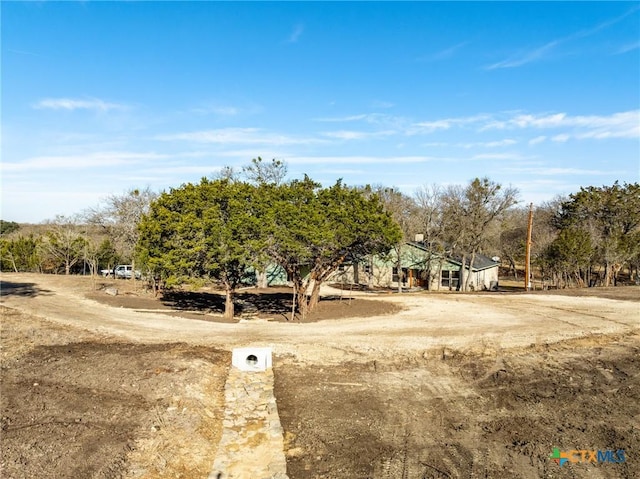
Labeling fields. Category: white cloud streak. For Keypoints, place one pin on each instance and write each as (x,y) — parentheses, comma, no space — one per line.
(298,30)
(427,127)
(618,125)
(358,135)
(488,144)
(357,160)
(537,140)
(81,161)
(71,104)
(449,52)
(252,136)
(560,171)
(526,57)
(628,48)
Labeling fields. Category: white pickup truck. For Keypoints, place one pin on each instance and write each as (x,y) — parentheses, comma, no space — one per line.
(122,271)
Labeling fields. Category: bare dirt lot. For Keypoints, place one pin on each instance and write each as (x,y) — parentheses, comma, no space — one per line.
(381,386)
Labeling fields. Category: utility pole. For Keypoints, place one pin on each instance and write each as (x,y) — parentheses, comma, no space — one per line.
(527,261)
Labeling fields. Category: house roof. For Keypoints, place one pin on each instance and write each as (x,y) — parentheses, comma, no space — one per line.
(480,262)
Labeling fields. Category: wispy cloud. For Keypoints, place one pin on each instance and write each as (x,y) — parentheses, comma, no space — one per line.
(253,136)
(341,119)
(528,56)
(217,110)
(488,144)
(426,127)
(542,171)
(525,57)
(445,53)
(81,161)
(618,125)
(389,122)
(298,30)
(537,140)
(77,104)
(358,160)
(358,135)
(500,156)
(382,104)
(628,48)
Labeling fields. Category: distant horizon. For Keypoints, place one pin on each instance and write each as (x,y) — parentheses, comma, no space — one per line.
(103,97)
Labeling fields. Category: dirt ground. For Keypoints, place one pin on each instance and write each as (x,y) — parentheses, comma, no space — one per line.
(77,405)
(407,386)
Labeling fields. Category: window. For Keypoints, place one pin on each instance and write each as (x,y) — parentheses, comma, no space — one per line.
(450,279)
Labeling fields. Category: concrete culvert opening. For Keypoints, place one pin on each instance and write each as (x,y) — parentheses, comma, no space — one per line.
(252,360)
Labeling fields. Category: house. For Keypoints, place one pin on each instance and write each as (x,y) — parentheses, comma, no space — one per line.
(419,268)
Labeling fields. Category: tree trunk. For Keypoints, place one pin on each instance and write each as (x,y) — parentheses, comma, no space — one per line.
(263,279)
(315,295)
(228,303)
(356,273)
(303,302)
(463,274)
(399,269)
(470,273)
(67,268)
(13,262)
(512,264)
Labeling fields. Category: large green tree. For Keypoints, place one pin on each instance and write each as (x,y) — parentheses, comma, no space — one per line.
(310,231)
(21,253)
(611,216)
(208,230)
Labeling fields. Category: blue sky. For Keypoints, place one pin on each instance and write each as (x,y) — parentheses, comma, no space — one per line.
(99,98)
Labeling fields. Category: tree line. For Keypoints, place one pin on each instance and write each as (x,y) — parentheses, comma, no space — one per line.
(242,221)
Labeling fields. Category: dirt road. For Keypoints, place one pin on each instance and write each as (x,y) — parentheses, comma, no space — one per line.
(428,322)
(448,386)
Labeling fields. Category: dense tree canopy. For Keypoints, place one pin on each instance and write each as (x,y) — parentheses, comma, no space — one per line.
(221,229)
(208,230)
(610,217)
(311,231)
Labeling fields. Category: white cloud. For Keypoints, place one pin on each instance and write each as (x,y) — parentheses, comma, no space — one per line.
(499,156)
(77,104)
(341,119)
(618,125)
(563,138)
(427,127)
(537,139)
(488,144)
(628,48)
(253,136)
(542,171)
(357,135)
(217,110)
(80,161)
(445,53)
(357,160)
(295,34)
(380,119)
(382,104)
(526,57)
